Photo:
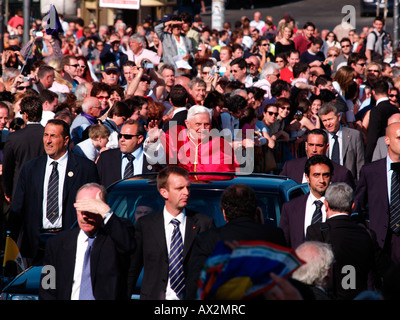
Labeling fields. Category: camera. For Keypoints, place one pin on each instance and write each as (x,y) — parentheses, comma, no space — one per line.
(147,65)
(26,79)
(37,33)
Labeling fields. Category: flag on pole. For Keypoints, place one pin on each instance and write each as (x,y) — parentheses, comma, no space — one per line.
(11,253)
(244,272)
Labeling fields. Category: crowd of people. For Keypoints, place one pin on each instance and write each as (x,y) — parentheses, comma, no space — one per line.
(95,104)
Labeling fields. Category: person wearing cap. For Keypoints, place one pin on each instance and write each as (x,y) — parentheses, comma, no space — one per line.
(174,42)
(113,53)
(111,74)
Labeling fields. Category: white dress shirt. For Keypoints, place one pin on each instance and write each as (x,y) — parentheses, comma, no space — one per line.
(310,208)
(137,163)
(62,168)
(169,228)
(81,246)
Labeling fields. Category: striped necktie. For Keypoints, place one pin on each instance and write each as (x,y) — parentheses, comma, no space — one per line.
(129,172)
(317,215)
(176,275)
(395,203)
(52,195)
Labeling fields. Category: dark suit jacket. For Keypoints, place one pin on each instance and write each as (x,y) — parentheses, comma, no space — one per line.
(372,200)
(378,118)
(109,166)
(20,146)
(242,228)
(178,119)
(152,253)
(109,262)
(351,245)
(294,169)
(26,209)
(292,220)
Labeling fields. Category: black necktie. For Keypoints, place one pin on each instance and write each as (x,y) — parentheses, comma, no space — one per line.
(394,208)
(129,172)
(52,195)
(317,215)
(335,151)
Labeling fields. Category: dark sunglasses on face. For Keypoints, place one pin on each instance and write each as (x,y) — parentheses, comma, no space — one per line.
(127,136)
(273,113)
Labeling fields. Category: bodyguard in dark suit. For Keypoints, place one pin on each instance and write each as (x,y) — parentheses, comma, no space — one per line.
(373,196)
(379,116)
(239,206)
(112,163)
(23,145)
(317,143)
(351,243)
(114,241)
(300,212)
(159,238)
(178,98)
(30,210)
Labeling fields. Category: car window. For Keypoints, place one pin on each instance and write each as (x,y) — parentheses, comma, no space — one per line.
(128,204)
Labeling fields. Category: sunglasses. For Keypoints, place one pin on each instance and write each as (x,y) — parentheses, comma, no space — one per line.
(82,66)
(332,55)
(23,88)
(74,65)
(102,98)
(393,95)
(376,71)
(127,136)
(361,64)
(346,46)
(273,113)
(279,61)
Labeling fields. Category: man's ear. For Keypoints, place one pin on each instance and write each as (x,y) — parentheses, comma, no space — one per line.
(164,193)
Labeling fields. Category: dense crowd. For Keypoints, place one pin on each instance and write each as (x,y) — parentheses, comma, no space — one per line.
(303,92)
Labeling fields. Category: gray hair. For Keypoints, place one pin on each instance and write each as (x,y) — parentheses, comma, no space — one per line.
(196,109)
(139,39)
(328,108)
(91,185)
(319,258)
(339,196)
(9,73)
(268,69)
(198,81)
(81,91)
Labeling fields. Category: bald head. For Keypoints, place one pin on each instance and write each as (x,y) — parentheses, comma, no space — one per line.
(91,106)
(394,118)
(183,81)
(392,139)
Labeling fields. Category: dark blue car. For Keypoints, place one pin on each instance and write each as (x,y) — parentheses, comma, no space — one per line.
(139,195)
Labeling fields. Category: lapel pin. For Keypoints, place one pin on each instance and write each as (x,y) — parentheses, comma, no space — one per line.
(149,167)
(70,174)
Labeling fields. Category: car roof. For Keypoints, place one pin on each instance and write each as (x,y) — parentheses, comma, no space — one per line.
(216,181)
